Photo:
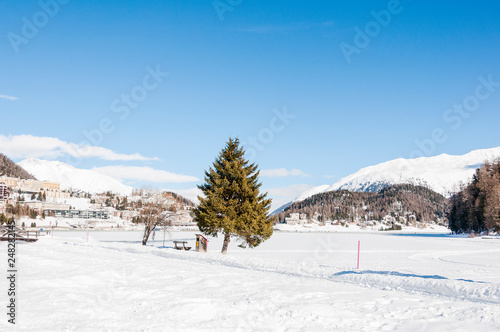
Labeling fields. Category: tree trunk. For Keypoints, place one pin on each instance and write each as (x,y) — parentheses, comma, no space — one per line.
(147,231)
(227,239)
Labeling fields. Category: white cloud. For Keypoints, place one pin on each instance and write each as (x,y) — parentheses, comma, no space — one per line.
(137,173)
(283,195)
(28,146)
(8,97)
(281,172)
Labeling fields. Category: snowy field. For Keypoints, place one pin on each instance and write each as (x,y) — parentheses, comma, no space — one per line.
(292,282)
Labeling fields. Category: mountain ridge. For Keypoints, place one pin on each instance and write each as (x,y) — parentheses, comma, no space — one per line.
(442,173)
(71,177)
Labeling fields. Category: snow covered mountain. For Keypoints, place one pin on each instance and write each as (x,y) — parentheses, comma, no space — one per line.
(441,173)
(306,194)
(311,192)
(71,177)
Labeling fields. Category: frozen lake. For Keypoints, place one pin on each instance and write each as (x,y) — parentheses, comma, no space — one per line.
(294,281)
(456,257)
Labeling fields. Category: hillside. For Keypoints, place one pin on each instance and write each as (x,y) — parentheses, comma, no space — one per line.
(11,169)
(404,202)
(75,178)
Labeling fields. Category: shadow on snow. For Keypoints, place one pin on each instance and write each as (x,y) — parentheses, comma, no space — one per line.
(399,274)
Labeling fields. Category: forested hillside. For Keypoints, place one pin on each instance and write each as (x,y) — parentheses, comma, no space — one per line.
(477,206)
(11,169)
(404,202)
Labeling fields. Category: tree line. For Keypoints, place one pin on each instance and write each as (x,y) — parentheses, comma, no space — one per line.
(11,169)
(402,200)
(476,207)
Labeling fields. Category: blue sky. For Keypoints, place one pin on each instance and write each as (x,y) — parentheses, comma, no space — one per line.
(231,70)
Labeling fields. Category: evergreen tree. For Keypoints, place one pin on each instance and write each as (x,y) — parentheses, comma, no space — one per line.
(233,204)
(476,207)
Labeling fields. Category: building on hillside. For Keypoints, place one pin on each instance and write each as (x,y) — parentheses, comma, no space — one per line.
(100,199)
(50,188)
(47,206)
(125,214)
(57,194)
(53,189)
(10,182)
(82,214)
(317,216)
(95,206)
(4,192)
(6,197)
(49,185)
(296,219)
(31,186)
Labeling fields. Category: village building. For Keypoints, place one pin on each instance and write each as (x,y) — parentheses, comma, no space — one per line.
(10,182)
(296,219)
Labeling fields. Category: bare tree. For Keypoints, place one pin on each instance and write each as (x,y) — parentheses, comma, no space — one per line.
(157,211)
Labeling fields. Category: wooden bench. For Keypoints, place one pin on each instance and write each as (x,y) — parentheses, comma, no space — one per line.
(181,245)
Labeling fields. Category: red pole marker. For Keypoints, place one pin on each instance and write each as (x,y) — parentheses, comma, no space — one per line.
(359,245)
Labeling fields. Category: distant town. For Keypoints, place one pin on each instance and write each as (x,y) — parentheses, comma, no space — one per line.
(44,204)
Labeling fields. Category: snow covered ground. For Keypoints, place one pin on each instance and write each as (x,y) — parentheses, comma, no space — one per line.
(292,282)
(316,228)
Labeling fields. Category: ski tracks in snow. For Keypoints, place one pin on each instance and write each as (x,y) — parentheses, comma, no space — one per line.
(411,283)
